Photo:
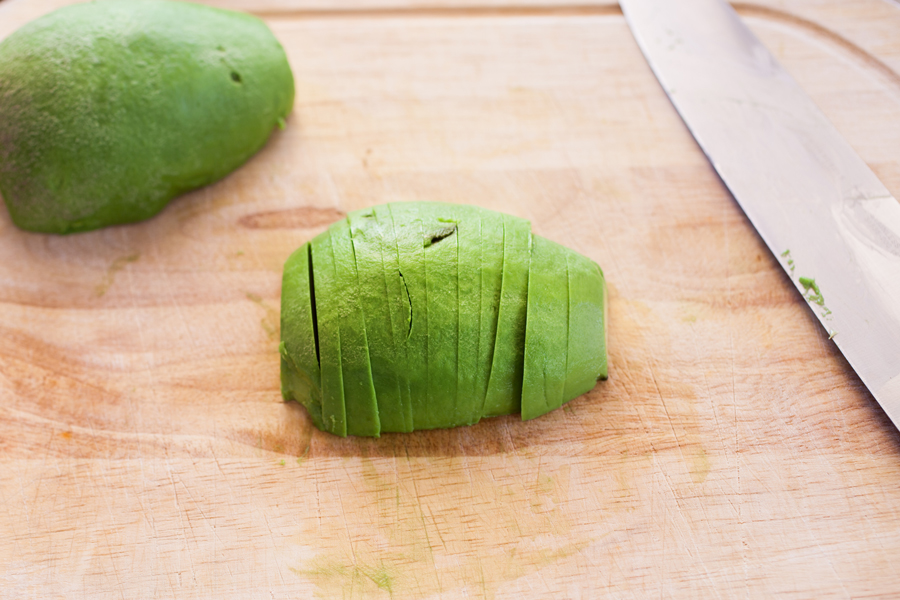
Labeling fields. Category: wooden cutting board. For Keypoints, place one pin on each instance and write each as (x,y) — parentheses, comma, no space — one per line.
(144,447)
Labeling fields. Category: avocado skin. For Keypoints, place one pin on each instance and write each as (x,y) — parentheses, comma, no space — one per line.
(459,289)
(110,109)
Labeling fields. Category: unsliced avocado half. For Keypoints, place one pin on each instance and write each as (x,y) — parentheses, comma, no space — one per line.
(110,109)
(422,315)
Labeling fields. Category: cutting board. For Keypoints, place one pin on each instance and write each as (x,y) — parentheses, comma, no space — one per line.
(145,450)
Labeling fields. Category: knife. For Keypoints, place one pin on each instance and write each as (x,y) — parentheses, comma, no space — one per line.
(832,225)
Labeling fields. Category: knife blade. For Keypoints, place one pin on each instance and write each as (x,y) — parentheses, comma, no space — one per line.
(832,225)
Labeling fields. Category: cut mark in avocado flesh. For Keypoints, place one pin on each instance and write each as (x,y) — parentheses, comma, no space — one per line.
(408,301)
(312,302)
(409,236)
(400,309)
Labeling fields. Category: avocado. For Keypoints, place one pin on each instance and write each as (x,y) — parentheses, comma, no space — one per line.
(429,315)
(469,399)
(400,311)
(370,244)
(356,370)
(491,283)
(327,293)
(504,394)
(546,329)
(586,360)
(442,303)
(411,259)
(299,351)
(109,110)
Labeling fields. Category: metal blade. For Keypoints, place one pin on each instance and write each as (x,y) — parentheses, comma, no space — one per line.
(832,224)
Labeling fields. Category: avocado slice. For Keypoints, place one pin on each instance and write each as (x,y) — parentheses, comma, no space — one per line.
(370,240)
(359,391)
(334,414)
(586,361)
(546,329)
(400,315)
(504,394)
(439,229)
(469,275)
(411,258)
(299,349)
(491,282)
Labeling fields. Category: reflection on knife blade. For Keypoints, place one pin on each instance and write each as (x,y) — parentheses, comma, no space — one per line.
(799,182)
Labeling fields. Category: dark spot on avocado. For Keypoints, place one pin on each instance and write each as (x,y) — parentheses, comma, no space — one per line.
(236,77)
(442,233)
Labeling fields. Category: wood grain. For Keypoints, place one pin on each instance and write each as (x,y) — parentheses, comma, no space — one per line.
(144,448)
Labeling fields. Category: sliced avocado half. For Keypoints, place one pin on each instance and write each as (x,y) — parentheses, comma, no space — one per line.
(425,315)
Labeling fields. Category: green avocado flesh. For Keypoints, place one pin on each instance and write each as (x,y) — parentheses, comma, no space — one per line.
(368,237)
(110,109)
(547,329)
(327,332)
(356,372)
(299,350)
(504,393)
(419,315)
